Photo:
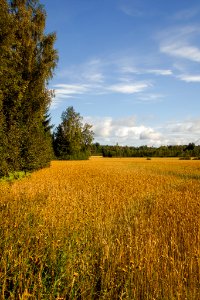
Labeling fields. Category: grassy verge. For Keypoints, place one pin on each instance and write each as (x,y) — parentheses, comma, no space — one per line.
(14,176)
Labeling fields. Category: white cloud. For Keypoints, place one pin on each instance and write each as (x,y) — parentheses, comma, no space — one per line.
(126,131)
(66,91)
(151,98)
(189,78)
(181,42)
(160,72)
(103,127)
(70,90)
(187,126)
(62,90)
(182,51)
(129,69)
(128,88)
(134,70)
(178,34)
(94,77)
(98,76)
(150,134)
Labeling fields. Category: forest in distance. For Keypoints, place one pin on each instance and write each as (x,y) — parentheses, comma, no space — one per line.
(190,151)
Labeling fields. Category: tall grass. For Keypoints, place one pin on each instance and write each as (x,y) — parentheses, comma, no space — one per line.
(102,229)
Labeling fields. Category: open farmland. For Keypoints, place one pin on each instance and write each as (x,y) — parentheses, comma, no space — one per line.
(102,229)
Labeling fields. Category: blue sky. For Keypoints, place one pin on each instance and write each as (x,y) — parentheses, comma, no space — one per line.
(131,68)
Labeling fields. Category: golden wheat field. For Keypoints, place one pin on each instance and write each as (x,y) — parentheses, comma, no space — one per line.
(102,229)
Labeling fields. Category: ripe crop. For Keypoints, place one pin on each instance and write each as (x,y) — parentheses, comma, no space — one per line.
(102,229)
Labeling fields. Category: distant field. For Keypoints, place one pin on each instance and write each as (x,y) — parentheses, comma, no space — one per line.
(107,228)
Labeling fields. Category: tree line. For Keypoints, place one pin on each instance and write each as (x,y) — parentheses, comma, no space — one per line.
(181,151)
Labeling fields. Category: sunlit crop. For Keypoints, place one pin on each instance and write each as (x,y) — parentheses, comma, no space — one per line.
(102,229)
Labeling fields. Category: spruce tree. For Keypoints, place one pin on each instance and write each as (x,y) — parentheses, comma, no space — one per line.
(27,59)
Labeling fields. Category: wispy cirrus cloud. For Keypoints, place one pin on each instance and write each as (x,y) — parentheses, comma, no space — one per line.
(69,90)
(181,42)
(187,14)
(63,90)
(132,70)
(95,77)
(163,72)
(189,78)
(151,98)
(181,50)
(99,77)
(128,88)
(66,91)
(131,11)
(131,8)
(90,70)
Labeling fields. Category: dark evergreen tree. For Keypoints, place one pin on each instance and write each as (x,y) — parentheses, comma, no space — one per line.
(27,60)
(72,138)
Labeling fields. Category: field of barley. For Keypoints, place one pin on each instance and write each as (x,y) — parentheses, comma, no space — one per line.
(102,229)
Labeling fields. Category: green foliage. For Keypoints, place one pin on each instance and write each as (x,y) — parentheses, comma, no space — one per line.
(14,176)
(182,151)
(72,138)
(27,61)
(37,151)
